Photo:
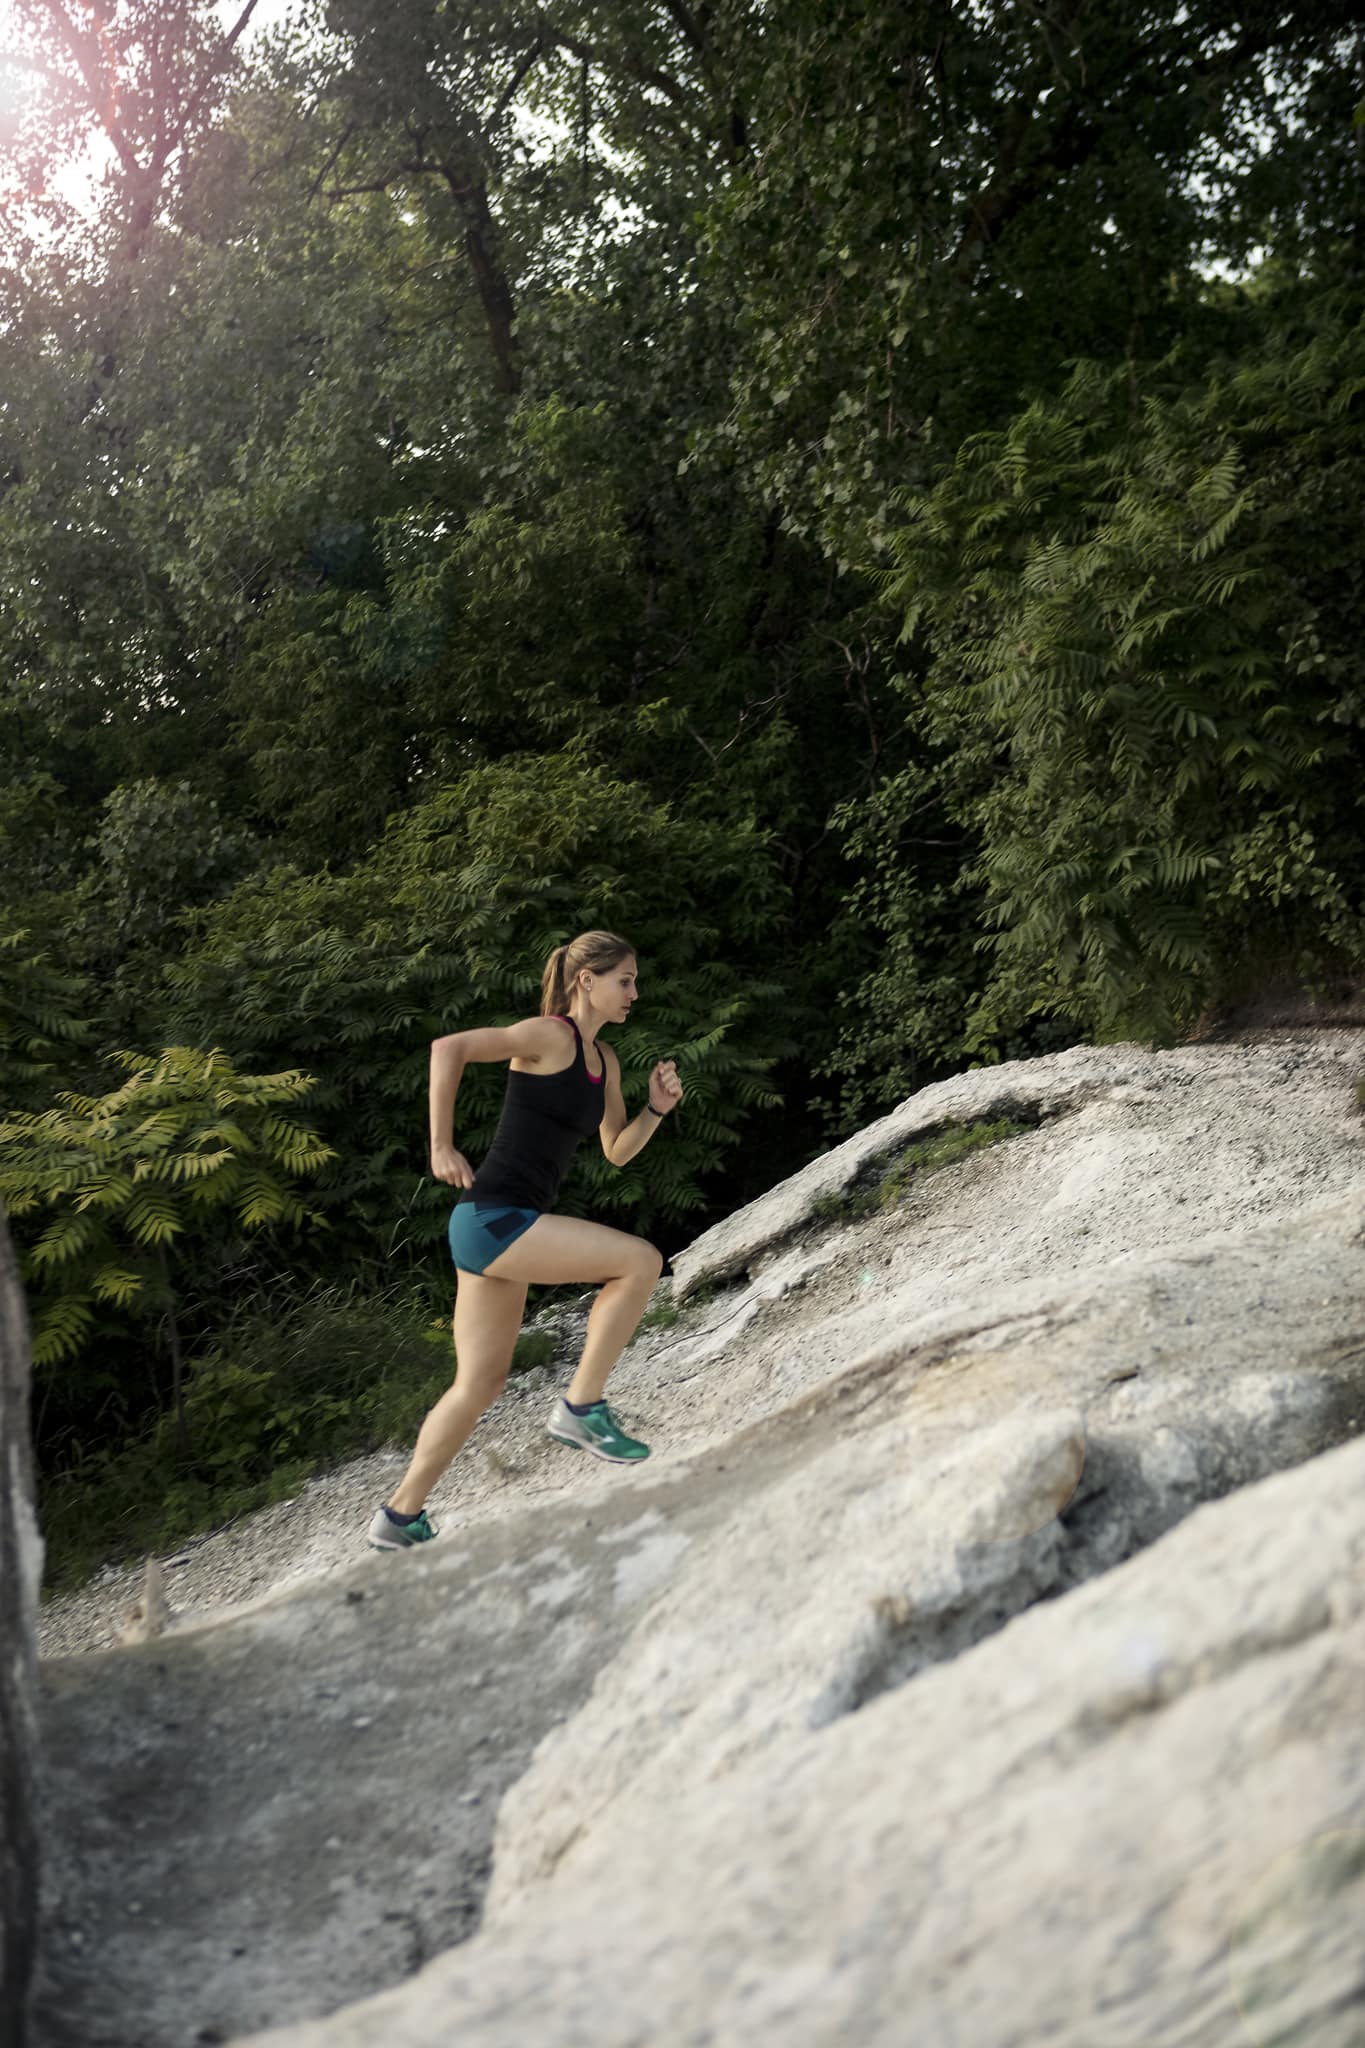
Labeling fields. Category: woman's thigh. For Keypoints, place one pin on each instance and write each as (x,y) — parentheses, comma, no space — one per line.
(487,1320)
(562,1248)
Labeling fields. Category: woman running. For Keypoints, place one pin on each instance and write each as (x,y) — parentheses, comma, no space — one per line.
(562,1085)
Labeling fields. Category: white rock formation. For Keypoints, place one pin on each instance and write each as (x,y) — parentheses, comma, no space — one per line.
(979,1661)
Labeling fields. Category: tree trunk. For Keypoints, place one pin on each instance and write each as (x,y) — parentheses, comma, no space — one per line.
(21,1564)
(470,194)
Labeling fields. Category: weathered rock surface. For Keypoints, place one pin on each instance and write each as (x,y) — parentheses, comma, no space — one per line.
(20,1572)
(1134,1815)
(1254,1112)
(979,1660)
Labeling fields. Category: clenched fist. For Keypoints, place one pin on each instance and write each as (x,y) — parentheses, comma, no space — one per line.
(665,1089)
(449,1165)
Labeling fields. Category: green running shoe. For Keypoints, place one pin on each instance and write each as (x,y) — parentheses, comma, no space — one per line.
(387,1535)
(599,1431)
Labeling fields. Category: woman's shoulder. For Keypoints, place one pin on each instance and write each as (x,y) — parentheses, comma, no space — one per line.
(549,1031)
(538,1038)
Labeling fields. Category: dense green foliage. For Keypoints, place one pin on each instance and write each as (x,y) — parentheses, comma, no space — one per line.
(292,1378)
(1141,616)
(861,498)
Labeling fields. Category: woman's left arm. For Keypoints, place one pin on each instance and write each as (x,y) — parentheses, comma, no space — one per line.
(621,1140)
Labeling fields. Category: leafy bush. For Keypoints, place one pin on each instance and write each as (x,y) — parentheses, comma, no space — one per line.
(40,1020)
(293,1383)
(109,1183)
(115,1198)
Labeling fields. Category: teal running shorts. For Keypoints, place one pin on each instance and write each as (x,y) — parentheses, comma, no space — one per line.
(480,1230)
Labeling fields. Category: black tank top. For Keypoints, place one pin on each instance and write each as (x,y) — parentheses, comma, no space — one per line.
(544,1116)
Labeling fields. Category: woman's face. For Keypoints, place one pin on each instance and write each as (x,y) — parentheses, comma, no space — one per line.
(614,992)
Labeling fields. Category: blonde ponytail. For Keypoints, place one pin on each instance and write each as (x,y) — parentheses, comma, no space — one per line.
(553,994)
(599,952)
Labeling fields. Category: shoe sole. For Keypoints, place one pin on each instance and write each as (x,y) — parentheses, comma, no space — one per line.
(576,1443)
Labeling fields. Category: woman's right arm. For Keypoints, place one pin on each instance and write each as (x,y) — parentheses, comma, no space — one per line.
(450,1055)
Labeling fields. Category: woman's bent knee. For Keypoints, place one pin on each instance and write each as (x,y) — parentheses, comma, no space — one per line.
(649,1261)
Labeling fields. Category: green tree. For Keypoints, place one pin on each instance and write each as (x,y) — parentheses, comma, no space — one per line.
(1144,624)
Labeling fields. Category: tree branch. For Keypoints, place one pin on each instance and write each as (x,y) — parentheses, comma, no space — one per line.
(170,128)
(643,74)
(523,66)
(86,51)
(688,22)
(215,65)
(1005,193)
(1009,190)
(331,162)
(385,179)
